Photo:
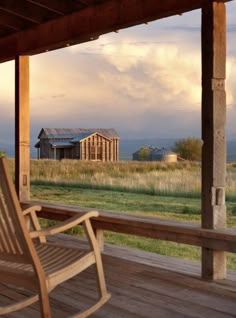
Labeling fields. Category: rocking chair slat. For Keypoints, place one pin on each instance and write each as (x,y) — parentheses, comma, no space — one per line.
(7,230)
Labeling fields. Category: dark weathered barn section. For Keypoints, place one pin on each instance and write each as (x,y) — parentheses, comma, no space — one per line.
(35,26)
(77,143)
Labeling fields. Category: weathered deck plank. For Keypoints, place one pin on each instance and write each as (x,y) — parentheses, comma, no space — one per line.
(142,285)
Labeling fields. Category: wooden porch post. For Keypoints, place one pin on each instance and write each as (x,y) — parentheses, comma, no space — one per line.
(22,128)
(213,131)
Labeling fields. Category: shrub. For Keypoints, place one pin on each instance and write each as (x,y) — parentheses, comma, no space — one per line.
(189,148)
(144,153)
(2,153)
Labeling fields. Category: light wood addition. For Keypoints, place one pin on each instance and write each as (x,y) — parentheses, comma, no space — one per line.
(213,131)
(37,264)
(22,128)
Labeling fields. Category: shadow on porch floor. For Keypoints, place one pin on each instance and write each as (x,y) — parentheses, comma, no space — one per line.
(142,285)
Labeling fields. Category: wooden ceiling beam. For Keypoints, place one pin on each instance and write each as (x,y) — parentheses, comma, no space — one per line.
(89,23)
(26,10)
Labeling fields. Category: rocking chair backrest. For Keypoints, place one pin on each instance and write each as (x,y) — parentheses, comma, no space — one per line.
(15,241)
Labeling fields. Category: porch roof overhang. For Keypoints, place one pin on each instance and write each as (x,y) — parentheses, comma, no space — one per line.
(34,26)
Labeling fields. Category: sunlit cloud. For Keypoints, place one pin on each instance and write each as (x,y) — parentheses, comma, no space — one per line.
(142,81)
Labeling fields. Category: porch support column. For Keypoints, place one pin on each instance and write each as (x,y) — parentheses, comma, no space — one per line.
(22,128)
(213,131)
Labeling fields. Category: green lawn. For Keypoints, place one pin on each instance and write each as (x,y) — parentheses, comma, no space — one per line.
(121,201)
(179,208)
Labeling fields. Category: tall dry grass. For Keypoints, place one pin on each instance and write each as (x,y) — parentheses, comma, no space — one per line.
(183,178)
(145,177)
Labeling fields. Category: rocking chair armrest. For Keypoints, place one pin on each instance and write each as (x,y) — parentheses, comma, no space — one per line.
(32,209)
(63,226)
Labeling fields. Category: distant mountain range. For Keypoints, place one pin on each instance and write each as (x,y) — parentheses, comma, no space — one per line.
(129,146)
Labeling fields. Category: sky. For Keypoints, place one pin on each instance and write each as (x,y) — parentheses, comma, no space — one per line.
(143,81)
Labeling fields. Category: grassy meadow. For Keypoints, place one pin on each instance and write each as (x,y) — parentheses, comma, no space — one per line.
(146,188)
(155,178)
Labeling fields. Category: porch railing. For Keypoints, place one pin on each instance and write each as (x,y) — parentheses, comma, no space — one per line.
(181,232)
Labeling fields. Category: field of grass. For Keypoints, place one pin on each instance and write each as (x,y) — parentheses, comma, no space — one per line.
(180,179)
(156,178)
(126,176)
(146,188)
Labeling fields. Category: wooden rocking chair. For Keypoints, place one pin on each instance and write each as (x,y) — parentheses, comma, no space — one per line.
(27,260)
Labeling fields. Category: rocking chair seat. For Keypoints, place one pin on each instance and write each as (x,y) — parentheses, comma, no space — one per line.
(58,262)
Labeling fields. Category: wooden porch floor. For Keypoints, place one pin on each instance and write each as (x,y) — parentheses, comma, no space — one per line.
(142,285)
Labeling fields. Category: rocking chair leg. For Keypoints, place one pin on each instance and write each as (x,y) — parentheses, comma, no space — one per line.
(99,267)
(100,276)
(44,304)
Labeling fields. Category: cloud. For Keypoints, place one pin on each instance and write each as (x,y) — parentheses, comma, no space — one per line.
(144,81)
(151,73)
(127,85)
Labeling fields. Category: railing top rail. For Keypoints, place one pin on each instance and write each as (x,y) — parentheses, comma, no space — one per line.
(153,227)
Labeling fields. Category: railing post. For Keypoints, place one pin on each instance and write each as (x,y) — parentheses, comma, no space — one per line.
(213,131)
(22,128)
(100,238)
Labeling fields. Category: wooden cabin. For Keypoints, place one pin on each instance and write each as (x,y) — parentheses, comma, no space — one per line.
(153,289)
(77,143)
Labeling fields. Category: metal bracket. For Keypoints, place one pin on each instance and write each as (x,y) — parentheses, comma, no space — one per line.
(218,196)
(25,182)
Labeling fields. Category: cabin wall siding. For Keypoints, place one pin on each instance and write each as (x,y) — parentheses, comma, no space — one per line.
(45,149)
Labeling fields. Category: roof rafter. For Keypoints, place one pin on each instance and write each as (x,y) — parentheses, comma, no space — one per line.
(13,22)
(60,7)
(25,10)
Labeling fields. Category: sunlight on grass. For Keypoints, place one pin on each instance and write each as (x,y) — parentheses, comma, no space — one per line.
(170,191)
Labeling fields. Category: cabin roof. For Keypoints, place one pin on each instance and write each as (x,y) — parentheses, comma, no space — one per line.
(77,133)
(82,136)
(34,26)
(72,135)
